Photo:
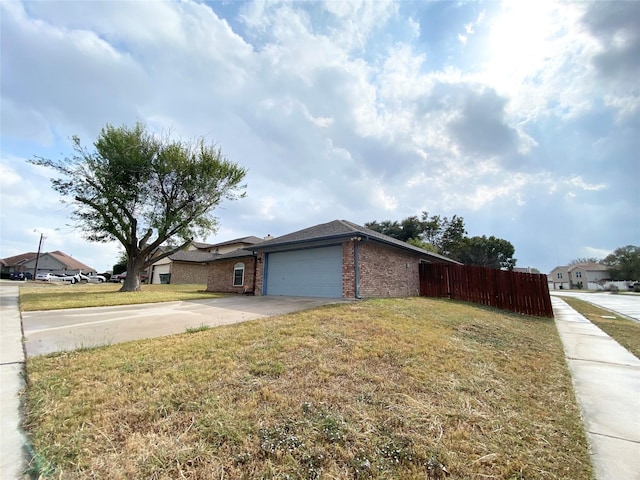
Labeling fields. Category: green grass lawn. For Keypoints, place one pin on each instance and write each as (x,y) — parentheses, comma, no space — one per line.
(378,389)
(45,296)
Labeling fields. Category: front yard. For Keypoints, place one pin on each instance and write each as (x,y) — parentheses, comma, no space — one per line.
(385,389)
(46,296)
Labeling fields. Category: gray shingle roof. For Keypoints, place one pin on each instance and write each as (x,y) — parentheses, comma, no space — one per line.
(340,229)
(237,253)
(192,256)
(251,240)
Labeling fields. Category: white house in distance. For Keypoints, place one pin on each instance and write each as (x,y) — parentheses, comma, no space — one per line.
(577,276)
(56,262)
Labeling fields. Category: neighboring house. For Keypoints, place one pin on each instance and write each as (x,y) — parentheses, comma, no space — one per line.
(49,262)
(338,259)
(191,265)
(577,276)
(233,272)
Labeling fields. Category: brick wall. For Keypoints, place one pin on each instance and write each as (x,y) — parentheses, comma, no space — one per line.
(188,273)
(348,271)
(259,272)
(387,272)
(220,278)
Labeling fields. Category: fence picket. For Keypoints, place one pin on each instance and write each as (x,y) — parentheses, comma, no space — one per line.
(525,293)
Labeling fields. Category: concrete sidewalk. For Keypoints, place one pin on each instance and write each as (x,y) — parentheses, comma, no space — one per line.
(606,382)
(12,359)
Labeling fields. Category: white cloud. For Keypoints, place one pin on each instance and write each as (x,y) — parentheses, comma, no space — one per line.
(580,183)
(339,109)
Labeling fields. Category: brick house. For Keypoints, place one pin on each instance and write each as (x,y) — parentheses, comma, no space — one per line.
(233,272)
(191,265)
(339,259)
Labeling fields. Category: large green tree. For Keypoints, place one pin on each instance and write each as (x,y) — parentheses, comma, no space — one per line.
(144,191)
(491,252)
(624,263)
(441,233)
(447,236)
(405,230)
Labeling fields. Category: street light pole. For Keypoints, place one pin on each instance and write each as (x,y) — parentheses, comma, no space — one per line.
(35,270)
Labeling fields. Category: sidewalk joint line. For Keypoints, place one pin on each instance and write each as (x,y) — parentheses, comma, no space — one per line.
(615,437)
(618,364)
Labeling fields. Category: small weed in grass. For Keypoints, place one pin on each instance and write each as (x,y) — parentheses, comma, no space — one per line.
(201,328)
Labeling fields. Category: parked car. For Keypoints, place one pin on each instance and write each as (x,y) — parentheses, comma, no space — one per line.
(96,278)
(45,277)
(116,277)
(72,279)
(20,275)
(119,278)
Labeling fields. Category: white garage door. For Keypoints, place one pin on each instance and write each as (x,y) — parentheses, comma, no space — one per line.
(316,272)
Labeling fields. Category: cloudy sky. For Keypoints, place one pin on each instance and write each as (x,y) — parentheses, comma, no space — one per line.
(521,117)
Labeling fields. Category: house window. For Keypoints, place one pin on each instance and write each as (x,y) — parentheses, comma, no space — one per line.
(238,274)
(578,274)
(560,275)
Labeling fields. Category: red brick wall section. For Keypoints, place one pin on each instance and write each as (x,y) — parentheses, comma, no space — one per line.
(259,274)
(387,272)
(188,273)
(220,277)
(348,271)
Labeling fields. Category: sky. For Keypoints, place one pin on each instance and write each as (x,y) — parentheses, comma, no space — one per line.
(521,117)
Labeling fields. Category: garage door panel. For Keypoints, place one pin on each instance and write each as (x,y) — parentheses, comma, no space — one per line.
(314,272)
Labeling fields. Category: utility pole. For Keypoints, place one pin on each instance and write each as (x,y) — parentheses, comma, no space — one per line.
(35,270)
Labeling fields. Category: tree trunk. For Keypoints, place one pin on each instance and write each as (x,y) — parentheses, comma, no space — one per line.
(132,280)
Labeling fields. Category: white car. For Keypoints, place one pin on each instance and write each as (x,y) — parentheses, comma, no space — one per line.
(45,277)
(96,278)
(77,278)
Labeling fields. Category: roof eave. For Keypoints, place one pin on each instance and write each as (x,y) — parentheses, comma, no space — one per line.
(333,240)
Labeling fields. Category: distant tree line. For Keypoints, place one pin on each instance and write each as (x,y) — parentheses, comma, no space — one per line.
(448,237)
(623,264)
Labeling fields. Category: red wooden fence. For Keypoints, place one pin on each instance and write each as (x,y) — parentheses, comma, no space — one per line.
(525,293)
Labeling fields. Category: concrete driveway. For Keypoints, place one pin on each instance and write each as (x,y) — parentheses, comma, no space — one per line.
(627,305)
(63,330)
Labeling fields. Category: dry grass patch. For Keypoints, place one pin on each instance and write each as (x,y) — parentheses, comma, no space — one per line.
(381,389)
(56,297)
(624,331)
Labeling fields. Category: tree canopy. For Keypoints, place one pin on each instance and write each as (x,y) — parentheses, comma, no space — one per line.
(144,191)
(624,263)
(489,252)
(447,236)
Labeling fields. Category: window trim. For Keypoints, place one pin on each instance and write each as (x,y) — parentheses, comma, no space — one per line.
(238,267)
